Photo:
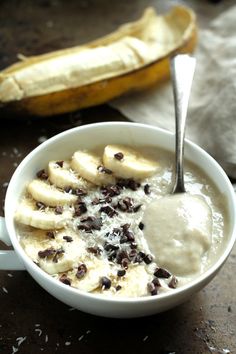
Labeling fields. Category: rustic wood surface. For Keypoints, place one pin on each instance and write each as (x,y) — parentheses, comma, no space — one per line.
(31,320)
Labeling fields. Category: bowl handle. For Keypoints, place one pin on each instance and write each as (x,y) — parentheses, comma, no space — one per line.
(8,259)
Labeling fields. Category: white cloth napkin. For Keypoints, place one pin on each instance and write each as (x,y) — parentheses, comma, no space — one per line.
(211,121)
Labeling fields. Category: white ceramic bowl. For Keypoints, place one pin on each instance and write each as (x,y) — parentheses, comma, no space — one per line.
(86,137)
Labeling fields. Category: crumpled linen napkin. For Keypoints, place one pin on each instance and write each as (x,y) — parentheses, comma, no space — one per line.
(211,121)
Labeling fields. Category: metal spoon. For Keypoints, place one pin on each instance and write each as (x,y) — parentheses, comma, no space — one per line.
(178,226)
(182,71)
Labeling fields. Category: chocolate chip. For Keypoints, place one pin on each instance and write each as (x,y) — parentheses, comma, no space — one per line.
(65,280)
(121,272)
(118,287)
(50,234)
(59,210)
(40,205)
(152,289)
(82,270)
(105,283)
(103,169)
(80,209)
(108,210)
(141,226)
(42,174)
(133,245)
(119,156)
(173,283)
(162,273)
(148,259)
(60,163)
(95,250)
(46,253)
(68,238)
(147,189)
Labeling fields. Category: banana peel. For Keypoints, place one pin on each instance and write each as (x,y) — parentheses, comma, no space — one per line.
(133,58)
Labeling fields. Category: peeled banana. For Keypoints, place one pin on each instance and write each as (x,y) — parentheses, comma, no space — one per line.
(132,58)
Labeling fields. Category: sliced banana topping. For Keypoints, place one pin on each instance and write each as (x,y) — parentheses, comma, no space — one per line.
(128,163)
(48,194)
(62,176)
(90,167)
(27,214)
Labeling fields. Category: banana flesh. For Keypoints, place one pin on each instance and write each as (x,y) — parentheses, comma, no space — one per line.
(64,176)
(87,165)
(131,165)
(132,58)
(46,220)
(49,195)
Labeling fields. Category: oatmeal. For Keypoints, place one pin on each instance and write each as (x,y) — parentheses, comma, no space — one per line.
(83,221)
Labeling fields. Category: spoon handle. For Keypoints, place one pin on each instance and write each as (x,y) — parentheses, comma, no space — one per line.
(182,71)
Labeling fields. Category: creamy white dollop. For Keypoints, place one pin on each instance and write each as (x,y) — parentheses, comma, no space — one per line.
(178,229)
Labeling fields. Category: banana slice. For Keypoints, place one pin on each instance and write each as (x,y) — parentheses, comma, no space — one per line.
(89,166)
(43,192)
(42,219)
(128,163)
(63,176)
(62,265)
(96,270)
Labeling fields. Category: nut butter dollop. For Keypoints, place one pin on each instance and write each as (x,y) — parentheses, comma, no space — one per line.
(178,229)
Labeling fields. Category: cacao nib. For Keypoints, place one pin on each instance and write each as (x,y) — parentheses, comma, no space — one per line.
(64,279)
(58,210)
(147,189)
(68,238)
(119,156)
(173,283)
(162,273)
(121,272)
(42,174)
(111,191)
(47,252)
(103,169)
(95,250)
(108,210)
(80,209)
(59,252)
(50,234)
(79,192)
(40,205)
(82,270)
(60,163)
(148,259)
(152,289)
(105,283)
(141,226)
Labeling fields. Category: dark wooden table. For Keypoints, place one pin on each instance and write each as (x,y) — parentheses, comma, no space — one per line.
(31,320)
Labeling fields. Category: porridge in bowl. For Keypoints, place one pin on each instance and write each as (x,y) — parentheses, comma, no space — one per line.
(83,221)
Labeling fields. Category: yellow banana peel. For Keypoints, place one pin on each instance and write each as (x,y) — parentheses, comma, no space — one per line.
(133,58)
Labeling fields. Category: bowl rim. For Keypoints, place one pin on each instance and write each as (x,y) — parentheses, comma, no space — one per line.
(110,298)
